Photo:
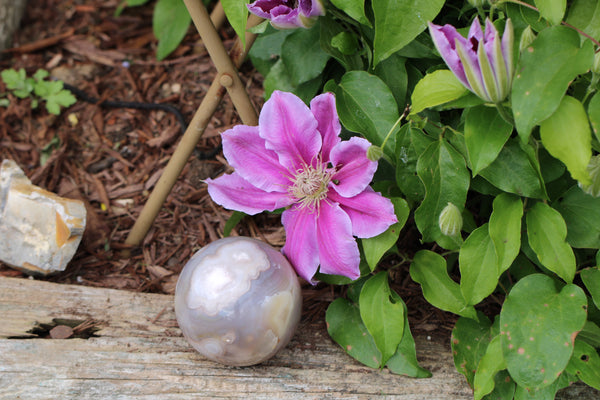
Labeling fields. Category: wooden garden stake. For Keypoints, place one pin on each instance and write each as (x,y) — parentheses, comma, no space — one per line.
(226,79)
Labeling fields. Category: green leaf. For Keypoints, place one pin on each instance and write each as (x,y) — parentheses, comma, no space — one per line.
(581,212)
(404,361)
(393,72)
(478,266)
(594,113)
(366,105)
(429,270)
(354,8)
(382,315)
(585,15)
(446,179)
(374,248)
(546,233)
(235,219)
(552,10)
(566,135)
(513,172)
(591,280)
(537,92)
(237,15)
(277,79)
(486,132)
(398,22)
(491,363)
(170,22)
(17,82)
(505,229)
(330,28)
(347,329)
(406,163)
(436,88)
(585,364)
(54,101)
(539,321)
(470,338)
(302,55)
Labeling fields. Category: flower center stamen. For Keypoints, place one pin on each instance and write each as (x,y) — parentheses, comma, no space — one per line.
(310,185)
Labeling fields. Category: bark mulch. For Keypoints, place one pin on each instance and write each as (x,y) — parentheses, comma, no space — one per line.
(111,158)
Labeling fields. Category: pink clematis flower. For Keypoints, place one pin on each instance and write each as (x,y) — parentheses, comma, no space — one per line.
(295,159)
(288,14)
(482,61)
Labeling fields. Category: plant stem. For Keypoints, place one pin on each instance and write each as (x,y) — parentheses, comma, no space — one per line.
(504,114)
(393,128)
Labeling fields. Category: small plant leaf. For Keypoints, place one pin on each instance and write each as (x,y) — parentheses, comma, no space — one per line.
(585,364)
(374,248)
(436,88)
(546,233)
(478,266)
(552,10)
(346,327)
(485,135)
(591,280)
(382,315)
(490,364)
(594,114)
(470,338)
(581,212)
(429,270)
(354,8)
(170,23)
(505,229)
(537,305)
(237,15)
(302,55)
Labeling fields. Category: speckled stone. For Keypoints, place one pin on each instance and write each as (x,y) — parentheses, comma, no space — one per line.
(39,231)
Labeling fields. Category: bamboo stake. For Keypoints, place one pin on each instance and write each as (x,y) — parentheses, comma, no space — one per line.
(190,138)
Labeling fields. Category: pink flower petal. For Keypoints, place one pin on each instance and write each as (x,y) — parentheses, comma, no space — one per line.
(355,169)
(290,129)
(301,241)
(323,108)
(235,193)
(444,38)
(245,151)
(338,250)
(370,212)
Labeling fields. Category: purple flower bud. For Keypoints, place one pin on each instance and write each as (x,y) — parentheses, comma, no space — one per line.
(482,61)
(288,14)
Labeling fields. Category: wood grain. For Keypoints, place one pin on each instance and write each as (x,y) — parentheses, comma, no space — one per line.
(139,353)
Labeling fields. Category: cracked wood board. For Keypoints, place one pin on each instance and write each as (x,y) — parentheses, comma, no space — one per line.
(139,352)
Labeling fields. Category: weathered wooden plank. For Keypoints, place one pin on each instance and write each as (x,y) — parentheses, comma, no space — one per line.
(140,353)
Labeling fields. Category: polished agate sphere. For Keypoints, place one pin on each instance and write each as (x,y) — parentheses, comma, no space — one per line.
(238,301)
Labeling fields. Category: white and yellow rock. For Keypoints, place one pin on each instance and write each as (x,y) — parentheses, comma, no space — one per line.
(39,231)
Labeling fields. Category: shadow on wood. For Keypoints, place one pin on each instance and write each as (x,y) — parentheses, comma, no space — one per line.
(134,349)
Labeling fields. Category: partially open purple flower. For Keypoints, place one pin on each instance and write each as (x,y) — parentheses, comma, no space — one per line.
(482,61)
(286,14)
(295,159)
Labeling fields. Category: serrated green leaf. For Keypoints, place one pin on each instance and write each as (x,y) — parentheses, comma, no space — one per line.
(513,172)
(535,306)
(585,364)
(446,179)
(374,248)
(552,10)
(470,338)
(366,105)
(302,55)
(62,98)
(436,88)
(398,22)
(237,15)
(347,329)
(429,270)
(591,280)
(566,135)
(170,23)
(383,316)
(546,233)
(505,229)
(490,364)
(486,132)
(537,92)
(478,266)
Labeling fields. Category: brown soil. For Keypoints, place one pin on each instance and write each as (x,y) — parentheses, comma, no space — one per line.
(112,157)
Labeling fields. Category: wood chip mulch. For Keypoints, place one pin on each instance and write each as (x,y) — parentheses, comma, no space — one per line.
(111,158)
